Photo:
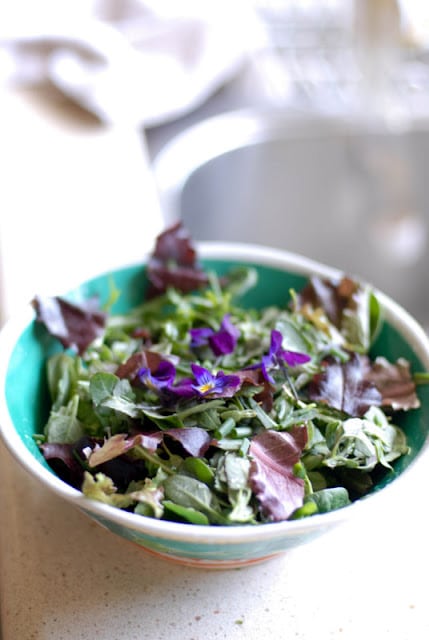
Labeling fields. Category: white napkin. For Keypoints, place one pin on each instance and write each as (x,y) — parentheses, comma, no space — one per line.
(139,61)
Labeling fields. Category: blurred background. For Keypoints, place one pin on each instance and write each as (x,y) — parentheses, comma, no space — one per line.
(299,124)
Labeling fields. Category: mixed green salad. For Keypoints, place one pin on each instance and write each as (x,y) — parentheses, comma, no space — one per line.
(195,409)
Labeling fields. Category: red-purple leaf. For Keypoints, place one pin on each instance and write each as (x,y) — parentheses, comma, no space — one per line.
(345,386)
(174,263)
(145,358)
(334,296)
(150,441)
(119,444)
(63,461)
(175,245)
(113,447)
(272,479)
(395,384)
(194,440)
(75,326)
(255,378)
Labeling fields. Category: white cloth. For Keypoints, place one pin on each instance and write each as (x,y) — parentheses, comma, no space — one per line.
(140,61)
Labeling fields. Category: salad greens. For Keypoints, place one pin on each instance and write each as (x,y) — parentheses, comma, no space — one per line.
(195,409)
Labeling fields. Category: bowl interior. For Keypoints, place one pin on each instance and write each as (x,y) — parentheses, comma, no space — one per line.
(26,391)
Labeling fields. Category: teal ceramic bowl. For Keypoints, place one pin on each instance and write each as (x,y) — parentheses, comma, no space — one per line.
(24,346)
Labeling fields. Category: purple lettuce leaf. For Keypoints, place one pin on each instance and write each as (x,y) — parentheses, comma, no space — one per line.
(395,384)
(331,295)
(111,448)
(173,263)
(142,359)
(62,460)
(75,326)
(345,386)
(193,440)
(278,490)
(70,460)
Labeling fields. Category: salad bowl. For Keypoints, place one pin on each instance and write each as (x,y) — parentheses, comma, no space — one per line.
(24,407)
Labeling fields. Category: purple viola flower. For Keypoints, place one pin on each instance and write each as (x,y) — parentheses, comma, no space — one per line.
(277,357)
(224,341)
(220,384)
(221,342)
(206,384)
(200,336)
(160,379)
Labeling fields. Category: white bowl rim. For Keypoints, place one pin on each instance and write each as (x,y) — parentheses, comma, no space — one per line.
(398,317)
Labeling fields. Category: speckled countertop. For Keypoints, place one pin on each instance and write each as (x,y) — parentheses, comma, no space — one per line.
(65,578)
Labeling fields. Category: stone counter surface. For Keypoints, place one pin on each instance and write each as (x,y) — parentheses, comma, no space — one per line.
(66,578)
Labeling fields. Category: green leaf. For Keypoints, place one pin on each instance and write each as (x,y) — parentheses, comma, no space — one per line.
(114,295)
(241,512)
(232,478)
(102,386)
(149,497)
(186,514)
(240,280)
(236,471)
(63,425)
(199,469)
(307,509)
(100,487)
(263,417)
(62,378)
(122,405)
(330,499)
(190,492)
(376,317)
(362,443)
(108,392)
(88,417)
(292,338)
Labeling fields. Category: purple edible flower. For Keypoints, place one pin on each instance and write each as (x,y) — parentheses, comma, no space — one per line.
(160,379)
(277,357)
(220,384)
(206,384)
(225,340)
(200,336)
(221,342)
